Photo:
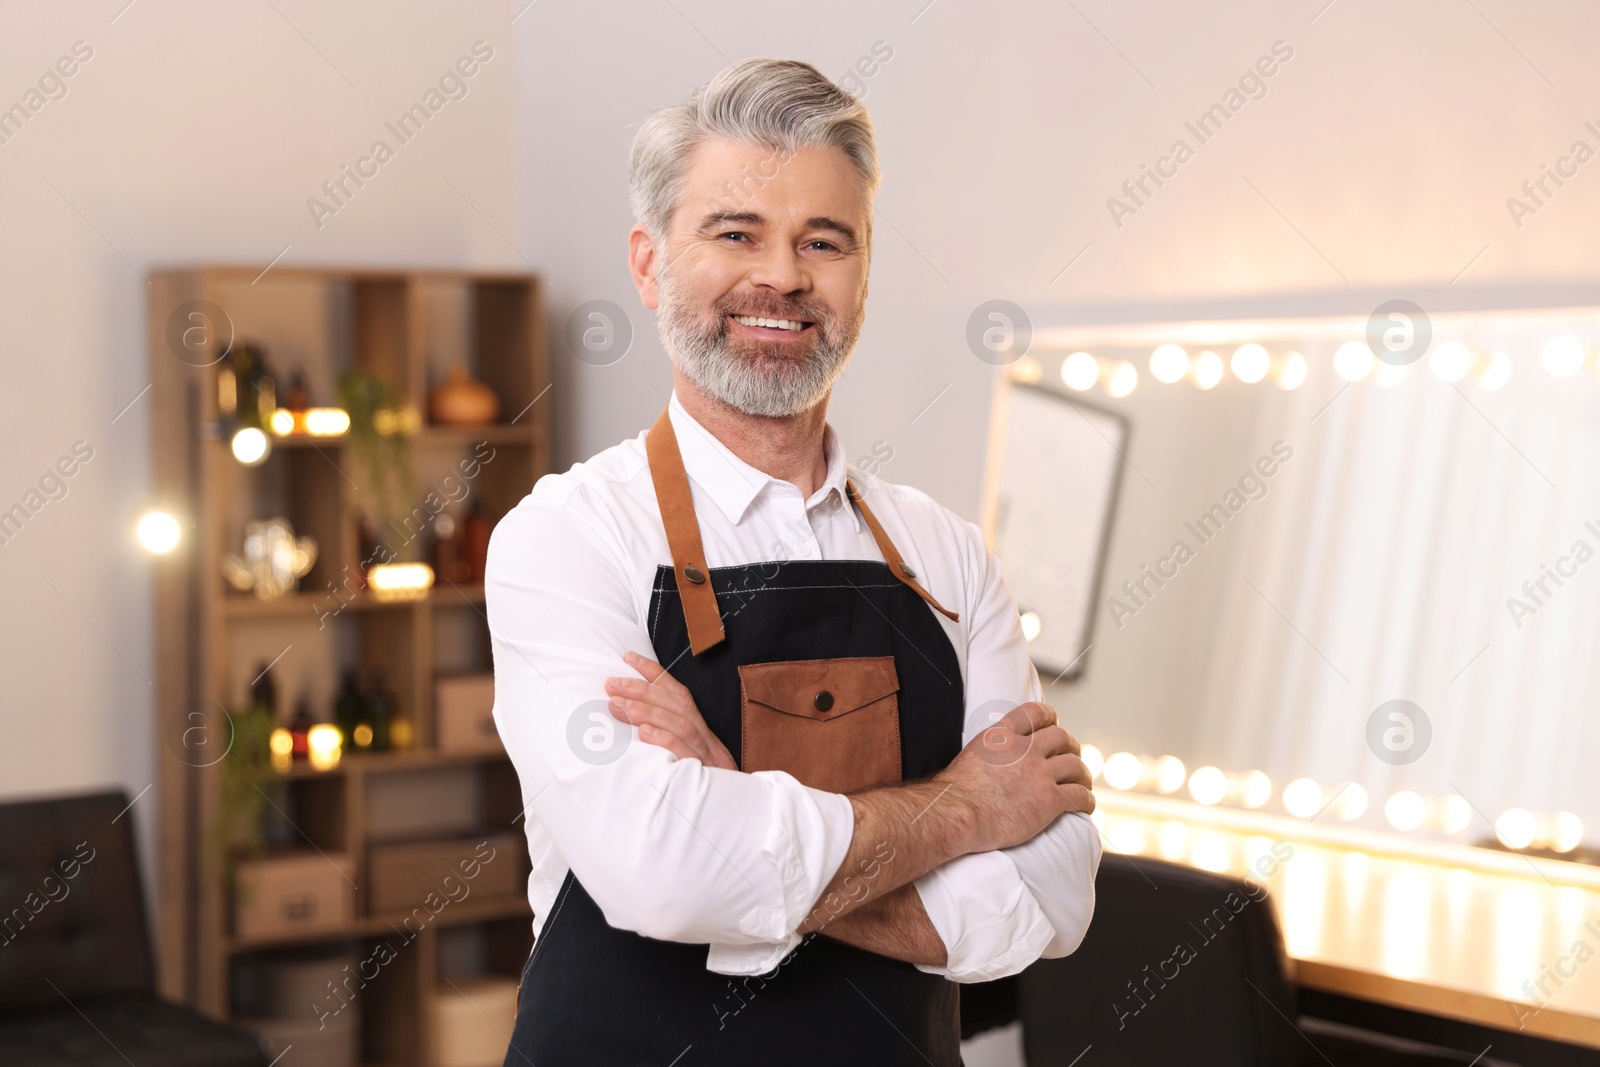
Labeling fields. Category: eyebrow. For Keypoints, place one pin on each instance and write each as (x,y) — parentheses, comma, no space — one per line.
(751,218)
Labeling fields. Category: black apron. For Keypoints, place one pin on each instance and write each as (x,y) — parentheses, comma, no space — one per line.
(837,672)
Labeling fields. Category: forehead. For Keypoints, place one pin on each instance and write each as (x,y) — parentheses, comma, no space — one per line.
(782,187)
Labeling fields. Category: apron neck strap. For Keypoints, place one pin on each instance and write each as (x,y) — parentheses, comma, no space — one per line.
(689,567)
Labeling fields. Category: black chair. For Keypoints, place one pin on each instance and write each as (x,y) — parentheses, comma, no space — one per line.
(77,978)
(1184,966)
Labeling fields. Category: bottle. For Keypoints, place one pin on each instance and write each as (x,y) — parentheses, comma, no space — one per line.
(475,541)
(380,709)
(350,714)
(264,692)
(300,728)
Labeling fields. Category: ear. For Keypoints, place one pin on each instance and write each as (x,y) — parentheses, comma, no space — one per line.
(642,266)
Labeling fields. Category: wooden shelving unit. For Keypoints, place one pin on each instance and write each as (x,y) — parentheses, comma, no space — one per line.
(410,328)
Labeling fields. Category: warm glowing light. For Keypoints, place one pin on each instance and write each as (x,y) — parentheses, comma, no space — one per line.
(281,744)
(400,581)
(1169,363)
(1206,370)
(251,446)
(1450,361)
(1093,760)
(389,421)
(1455,814)
(323,746)
(1566,831)
(1353,361)
(1031,624)
(1564,356)
(1257,789)
(1350,803)
(1250,363)
(1405,810)
(1302,797)
(1122,770)
(1170,774)
(1496,371)
(1026,370)
(1080,371)
(1124,379)
(1208,785)
(326,422)
(1292,371)
(158,532)
(1516,828)
(281,422)
(1388,375)
(362,735)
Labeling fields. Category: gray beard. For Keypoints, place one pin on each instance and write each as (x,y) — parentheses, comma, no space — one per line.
(767,382)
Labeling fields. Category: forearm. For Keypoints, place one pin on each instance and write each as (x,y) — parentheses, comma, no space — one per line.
(901,833)
(894,924)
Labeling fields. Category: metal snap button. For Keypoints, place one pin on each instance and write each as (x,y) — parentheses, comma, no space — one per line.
(822,701)
(695,575)
(907,571)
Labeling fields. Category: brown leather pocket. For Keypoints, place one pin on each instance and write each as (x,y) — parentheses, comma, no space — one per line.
(832,723)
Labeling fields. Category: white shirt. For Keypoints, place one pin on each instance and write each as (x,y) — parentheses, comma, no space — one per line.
(679,851)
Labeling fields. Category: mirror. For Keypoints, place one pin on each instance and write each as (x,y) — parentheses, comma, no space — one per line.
(1362,558)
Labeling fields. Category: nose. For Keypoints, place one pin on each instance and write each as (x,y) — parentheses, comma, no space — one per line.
(779,268)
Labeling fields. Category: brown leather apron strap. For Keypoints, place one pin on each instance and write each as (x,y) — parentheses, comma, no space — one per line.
(891,555)
(700,611)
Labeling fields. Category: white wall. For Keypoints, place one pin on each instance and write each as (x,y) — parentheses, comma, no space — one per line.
(197,132)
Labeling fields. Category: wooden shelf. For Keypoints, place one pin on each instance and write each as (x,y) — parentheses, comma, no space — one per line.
(409,328)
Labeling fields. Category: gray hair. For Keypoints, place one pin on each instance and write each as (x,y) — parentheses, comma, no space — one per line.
(782,104)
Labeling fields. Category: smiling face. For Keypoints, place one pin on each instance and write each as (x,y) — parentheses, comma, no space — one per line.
(762,285)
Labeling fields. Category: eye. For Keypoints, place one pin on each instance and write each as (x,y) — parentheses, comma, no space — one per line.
(734,237)
(820,245)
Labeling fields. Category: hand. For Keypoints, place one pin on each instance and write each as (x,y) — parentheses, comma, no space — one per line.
(665,713)
(1017,776)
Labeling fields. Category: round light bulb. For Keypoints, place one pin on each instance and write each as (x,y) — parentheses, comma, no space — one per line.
(1516,828)
(1257,789)
(1170,774)
(1292,371)
(1353,361)
(1563,356)
(1026,370)
(1093,760)
(1450,361)
(1208,785)
(1123,380)
(1122,770)
(158,532)
(1205,370)
(281,422)
(1169,363)
(1496,371)
(323,745)
(1080,371)
(1031,624)
(1405,810)
(1351,803)
(1250,363)
(251,446)
(1566,831)
(1302,797)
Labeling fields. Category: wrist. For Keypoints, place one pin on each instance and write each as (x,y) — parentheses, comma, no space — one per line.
(959,822)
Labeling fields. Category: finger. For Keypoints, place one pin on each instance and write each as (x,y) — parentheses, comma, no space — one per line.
(1068,769)
(653,672)
(1026,718)
(661,696)
(672,743)
(1077,798)
(645,716)
(1054,741)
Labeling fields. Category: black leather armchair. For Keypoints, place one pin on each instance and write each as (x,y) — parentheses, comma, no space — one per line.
(77,978)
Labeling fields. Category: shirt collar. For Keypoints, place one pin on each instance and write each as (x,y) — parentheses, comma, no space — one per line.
(731,483)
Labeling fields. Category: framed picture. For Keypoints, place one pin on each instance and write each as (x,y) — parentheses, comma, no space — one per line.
(1054,471)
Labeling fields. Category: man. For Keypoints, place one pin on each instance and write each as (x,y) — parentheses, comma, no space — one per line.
(751,692)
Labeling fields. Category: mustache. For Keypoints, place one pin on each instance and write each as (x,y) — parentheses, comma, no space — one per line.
(769,308)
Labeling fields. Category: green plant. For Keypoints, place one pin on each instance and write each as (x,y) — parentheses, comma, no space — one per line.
(380,440)
(238,831)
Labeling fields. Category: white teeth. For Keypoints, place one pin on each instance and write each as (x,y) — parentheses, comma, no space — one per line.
(776,324)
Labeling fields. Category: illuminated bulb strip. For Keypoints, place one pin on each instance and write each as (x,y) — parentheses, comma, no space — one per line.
(400,581)
(1169,363)
(326,422)
(1558,831)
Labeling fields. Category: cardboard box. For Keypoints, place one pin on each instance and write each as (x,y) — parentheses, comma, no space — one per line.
(472,1020)
(292,894)
(464,712)
(401,877)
